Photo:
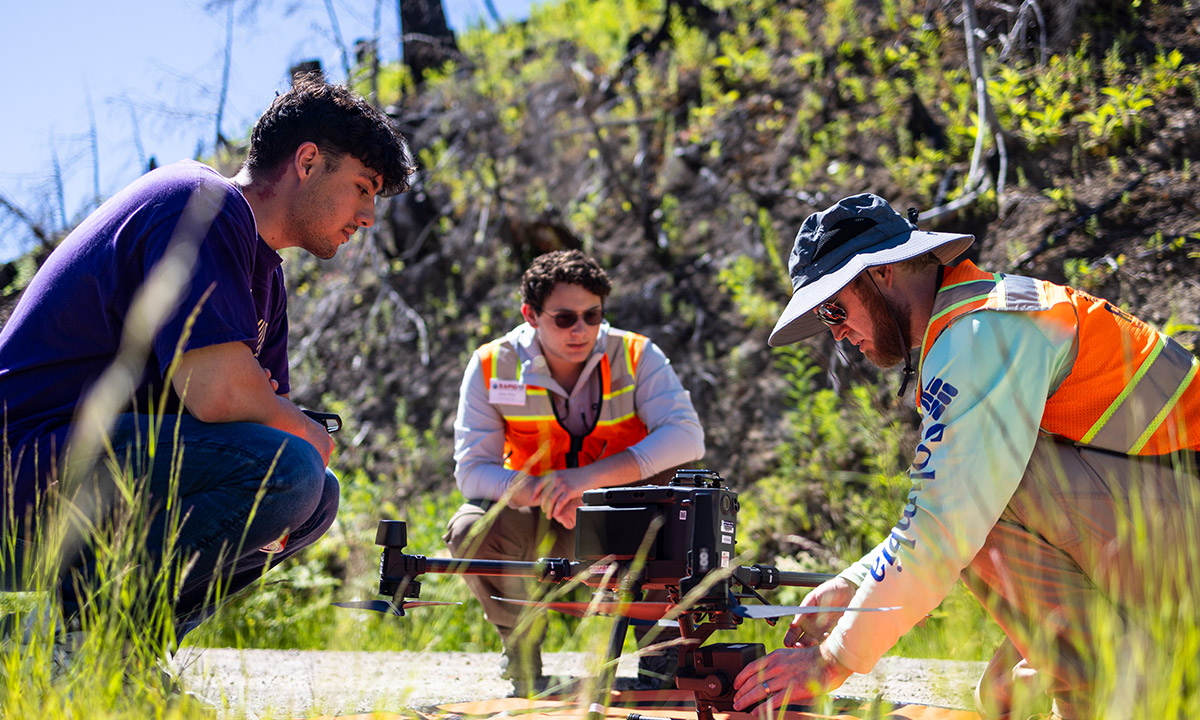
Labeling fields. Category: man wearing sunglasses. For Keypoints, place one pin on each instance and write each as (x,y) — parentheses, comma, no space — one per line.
(1055,472)
(562,404)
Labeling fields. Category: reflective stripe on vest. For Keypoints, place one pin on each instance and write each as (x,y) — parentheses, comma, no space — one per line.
(535,442)
(1131,388)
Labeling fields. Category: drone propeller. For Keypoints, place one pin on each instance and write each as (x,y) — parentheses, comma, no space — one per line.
(775,611)
(632,610)
(386,607)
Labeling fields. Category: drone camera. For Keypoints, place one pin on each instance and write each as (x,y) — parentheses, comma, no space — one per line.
(709,671)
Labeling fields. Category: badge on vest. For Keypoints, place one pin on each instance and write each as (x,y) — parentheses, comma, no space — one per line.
(506,392)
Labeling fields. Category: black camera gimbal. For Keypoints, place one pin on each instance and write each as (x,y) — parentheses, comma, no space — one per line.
(678,537)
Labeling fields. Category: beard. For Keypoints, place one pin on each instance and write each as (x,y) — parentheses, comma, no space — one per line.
(887,347)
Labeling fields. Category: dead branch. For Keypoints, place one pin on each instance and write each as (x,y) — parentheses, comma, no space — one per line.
(337,38)
(615,123)
(987,120)
(219,141)
(1029,8)
(35,227)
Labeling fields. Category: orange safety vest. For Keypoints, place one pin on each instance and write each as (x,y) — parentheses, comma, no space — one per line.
(536,442)
(1131,389)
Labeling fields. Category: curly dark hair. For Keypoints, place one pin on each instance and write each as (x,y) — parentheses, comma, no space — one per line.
(562,266)
(339,122)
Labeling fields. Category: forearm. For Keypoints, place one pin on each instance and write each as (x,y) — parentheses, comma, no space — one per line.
(483,481)
(670,446)
(617,469)
(224,383)
(479,440)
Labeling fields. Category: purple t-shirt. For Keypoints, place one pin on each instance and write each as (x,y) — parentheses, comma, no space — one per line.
(67,328)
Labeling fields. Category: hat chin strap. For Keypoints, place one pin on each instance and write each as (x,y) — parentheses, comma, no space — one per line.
(909,372)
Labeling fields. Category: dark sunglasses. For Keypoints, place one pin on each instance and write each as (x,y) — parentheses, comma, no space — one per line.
(567,318)
(830,313)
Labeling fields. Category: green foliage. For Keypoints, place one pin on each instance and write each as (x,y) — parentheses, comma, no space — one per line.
(25,266)
(743,280)
(1117,119)
(1089,276)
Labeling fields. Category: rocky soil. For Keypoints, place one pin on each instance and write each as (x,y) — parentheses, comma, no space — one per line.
(293,683)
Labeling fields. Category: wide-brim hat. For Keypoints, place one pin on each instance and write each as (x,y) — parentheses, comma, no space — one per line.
(835,245)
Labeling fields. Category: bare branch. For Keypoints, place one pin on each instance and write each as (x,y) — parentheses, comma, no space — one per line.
(56,166)
(1016,36)
(977,178)
(337,37)
(94,135)
(219,140)
(34,226)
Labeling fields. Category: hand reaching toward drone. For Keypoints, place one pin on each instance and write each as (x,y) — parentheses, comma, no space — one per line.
(804,668)
(789,674)
(810,630)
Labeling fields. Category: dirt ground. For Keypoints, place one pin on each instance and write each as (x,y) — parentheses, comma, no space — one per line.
(295,684)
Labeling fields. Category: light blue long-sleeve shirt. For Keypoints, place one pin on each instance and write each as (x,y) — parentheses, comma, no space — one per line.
(985,382)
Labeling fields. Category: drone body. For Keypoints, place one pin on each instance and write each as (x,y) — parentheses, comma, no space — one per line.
(679,537)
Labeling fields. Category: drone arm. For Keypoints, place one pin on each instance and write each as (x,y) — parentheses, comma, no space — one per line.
(767,577)
(546,569)
(397,566)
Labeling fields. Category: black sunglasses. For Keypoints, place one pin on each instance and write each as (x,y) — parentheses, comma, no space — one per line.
(830,313)
(567,318)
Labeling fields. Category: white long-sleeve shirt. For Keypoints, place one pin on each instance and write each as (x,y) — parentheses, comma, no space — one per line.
(674,437)
(985,384)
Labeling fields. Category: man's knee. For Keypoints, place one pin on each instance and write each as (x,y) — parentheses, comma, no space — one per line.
(321,518)
(461,533)
(298,468)
(509,534)
(327,505)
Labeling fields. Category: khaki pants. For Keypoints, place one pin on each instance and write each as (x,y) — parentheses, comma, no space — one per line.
(1091,547)
(515,534)
(526,534)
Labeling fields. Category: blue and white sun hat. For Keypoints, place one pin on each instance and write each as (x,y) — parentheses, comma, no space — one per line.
(835,245)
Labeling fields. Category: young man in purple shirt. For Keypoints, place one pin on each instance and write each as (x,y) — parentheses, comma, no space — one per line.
(167,305)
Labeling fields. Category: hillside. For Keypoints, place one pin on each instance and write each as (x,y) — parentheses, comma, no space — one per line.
(686,163)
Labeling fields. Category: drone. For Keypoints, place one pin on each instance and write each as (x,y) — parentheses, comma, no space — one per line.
(678,537)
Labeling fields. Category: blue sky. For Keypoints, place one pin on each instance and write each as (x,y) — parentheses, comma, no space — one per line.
(149,73)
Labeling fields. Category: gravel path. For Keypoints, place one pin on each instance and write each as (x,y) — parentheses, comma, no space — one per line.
(294,683)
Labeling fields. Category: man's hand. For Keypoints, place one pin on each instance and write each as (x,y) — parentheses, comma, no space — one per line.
(567,516)
(566,487)
(810,630)
(526,491)
(788,674)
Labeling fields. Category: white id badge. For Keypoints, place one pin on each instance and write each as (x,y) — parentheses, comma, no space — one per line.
(506,392)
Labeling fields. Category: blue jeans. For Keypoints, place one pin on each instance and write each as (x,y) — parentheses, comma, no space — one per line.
(239,487)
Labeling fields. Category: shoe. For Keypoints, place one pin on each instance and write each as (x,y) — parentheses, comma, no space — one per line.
(530,687)
(64,652)
(524,669)
(657,672)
